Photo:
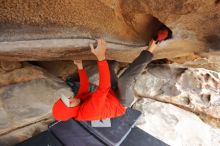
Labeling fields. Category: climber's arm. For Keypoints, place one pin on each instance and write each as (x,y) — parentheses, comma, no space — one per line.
(84,81)
(152,46)
(139,63)
(126,80)
(146,55)
(100,95)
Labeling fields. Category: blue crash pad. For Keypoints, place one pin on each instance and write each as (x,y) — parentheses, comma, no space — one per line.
(136,137)
(71,133)
(42,139)
(74,133)
(112,136)
(120,128)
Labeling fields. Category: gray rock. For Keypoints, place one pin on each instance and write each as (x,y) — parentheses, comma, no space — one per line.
(196,89)
(175,126)
(26,103)
(21,134)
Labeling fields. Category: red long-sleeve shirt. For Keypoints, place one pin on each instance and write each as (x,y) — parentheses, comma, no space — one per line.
(97,105)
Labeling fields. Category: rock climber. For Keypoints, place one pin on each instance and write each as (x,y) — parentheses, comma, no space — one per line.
(103,102)
(97,105)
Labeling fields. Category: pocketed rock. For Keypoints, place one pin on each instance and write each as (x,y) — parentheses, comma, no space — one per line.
(195,89)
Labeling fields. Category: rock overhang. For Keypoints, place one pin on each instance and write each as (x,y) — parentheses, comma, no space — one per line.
(126,25)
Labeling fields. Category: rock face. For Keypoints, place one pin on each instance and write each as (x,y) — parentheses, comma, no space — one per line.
(21,134)
(27,95)
(175,126)
(48,30)
(16,72)
(26,103)
(51,30)
(195,89)
(210,63)
(9,66)
(60,69)
(62,28)
(85,18)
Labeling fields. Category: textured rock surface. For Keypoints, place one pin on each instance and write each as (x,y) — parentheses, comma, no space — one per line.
(190,19)
(175,126)
(62,30)
(88,17)
(63,49)
(23,133)
(49,24)
(210,63)
(25,103)
(16,72)
(60,69)
(196,89)
(9,65)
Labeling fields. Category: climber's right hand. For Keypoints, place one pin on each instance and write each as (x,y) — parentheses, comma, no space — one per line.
(100,50)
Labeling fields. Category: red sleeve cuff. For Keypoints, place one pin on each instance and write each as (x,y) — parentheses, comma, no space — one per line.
(81,70)
(102,62)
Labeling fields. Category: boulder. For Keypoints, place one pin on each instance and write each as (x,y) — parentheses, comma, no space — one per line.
(60,69)
(21,134)
(20,72)
(62,30)
(174,125)
(26,103)
(9,65)
(195,89)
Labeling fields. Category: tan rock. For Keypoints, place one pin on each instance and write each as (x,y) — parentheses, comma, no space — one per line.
(10,65)
(198,63)
(30,34)
(22,74)
(60,69)
(93,18)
